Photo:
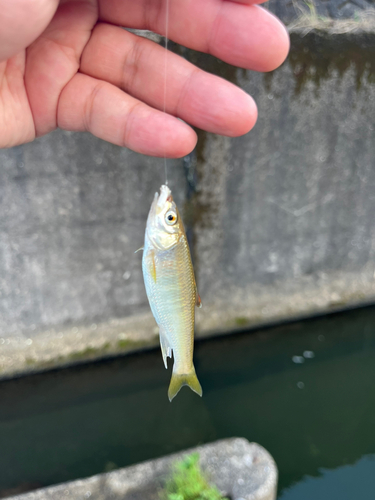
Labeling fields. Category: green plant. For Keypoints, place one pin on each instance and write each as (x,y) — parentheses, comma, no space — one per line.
(312,8)
(187,482)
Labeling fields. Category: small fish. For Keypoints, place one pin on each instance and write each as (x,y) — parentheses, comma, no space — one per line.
(171,289)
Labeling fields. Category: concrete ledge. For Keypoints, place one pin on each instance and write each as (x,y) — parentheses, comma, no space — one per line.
(241,470)
(254,306)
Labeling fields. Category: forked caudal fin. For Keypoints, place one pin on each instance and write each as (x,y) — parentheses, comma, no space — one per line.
(178,380)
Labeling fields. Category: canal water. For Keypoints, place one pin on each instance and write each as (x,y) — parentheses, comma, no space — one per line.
(304,390)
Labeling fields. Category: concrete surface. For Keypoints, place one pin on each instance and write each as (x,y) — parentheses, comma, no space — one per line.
(280,221)
(242,470)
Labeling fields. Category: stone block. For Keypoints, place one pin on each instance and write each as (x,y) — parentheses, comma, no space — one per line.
(242,470)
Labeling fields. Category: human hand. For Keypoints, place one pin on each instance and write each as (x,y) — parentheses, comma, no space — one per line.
(68,64)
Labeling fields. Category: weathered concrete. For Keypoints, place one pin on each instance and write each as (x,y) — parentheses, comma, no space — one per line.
(242,470)
(287,211)
(280,221)
(73,211)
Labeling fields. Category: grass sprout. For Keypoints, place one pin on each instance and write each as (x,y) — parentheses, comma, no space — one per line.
(187,482)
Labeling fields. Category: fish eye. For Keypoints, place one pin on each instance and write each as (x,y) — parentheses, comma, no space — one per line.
(171,218)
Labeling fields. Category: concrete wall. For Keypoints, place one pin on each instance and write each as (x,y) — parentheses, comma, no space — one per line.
(73,212)
(281,221)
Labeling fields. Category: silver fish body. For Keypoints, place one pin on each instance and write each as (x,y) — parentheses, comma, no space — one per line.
(170,285)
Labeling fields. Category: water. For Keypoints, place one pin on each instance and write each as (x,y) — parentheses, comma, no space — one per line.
(348,482)
(304,390)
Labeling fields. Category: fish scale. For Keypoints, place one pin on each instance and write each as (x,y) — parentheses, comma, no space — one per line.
(175,316)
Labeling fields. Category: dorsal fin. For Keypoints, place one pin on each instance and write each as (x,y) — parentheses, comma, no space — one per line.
(198,300)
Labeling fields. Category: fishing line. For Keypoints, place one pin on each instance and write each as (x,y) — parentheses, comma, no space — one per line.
(165,81)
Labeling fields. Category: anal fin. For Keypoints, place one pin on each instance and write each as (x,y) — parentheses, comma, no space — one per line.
(166,351)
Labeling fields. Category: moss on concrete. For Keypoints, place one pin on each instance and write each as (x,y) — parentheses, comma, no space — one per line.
(317,55)
(89,353)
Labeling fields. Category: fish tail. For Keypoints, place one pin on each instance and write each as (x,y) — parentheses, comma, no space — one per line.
(178,380)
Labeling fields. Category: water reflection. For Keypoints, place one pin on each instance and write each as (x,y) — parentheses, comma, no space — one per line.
(346,483)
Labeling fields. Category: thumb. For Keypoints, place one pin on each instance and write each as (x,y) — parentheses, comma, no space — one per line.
(21,22)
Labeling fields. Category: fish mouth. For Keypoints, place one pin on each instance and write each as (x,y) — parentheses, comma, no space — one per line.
(160,200)
(165,195)
(158,203)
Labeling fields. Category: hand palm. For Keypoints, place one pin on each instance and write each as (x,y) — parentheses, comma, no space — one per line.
(83,73)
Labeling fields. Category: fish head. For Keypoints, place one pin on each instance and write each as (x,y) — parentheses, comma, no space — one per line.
(164,224)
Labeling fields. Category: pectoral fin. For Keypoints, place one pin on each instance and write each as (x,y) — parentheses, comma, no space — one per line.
(165,349)
(150,260)
(139,249)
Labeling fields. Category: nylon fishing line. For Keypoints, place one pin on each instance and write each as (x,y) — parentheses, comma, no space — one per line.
(165,80)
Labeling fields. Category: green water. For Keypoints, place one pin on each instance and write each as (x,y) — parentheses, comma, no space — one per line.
(317,418)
